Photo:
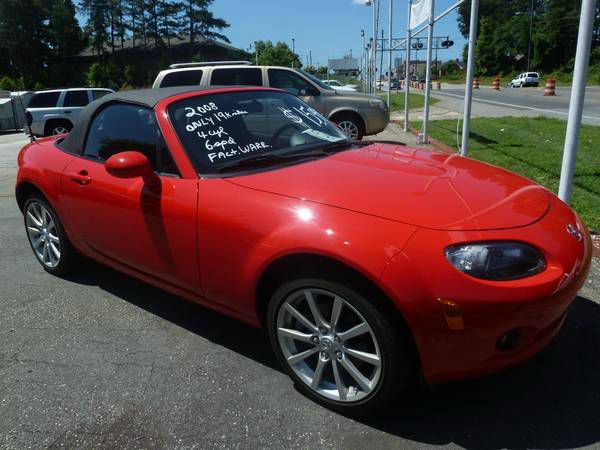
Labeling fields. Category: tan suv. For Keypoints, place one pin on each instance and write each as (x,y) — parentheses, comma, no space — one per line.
(355,113)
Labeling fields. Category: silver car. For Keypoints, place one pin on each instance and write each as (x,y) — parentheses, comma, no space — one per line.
(355,113)
(55,111)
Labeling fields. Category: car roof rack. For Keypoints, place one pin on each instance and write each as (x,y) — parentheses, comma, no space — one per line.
(210,63)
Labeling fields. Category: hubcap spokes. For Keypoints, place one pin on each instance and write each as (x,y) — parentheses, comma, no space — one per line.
(43,235)
(59,130)
(329,345)
(349,128)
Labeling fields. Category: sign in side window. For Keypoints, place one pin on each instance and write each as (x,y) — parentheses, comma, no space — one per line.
(182,78)
(221,130)
(251,76)
(76,98)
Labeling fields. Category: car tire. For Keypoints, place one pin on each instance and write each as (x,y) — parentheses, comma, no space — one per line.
(351,125)
(56,127)
(333,352)
(47,237)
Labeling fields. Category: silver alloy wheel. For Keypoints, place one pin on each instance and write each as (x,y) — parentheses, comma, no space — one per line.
(336,353)
(43,234)
(350,128)
(59,130)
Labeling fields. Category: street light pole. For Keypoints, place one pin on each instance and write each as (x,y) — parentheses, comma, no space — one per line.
(293,51)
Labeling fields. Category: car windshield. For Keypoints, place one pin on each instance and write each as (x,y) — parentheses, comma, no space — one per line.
(315,80)
(228,130)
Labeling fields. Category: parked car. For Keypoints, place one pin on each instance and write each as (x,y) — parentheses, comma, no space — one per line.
(356,113)
(370,265)
(339,86)
(526,79)
(55,111)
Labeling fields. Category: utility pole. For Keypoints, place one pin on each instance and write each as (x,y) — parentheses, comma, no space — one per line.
(407,68)
(582,57)
(469,81)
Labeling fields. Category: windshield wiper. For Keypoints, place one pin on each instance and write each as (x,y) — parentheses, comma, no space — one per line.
(325,150)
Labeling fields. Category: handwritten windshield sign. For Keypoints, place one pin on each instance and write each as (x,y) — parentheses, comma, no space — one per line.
(218,130)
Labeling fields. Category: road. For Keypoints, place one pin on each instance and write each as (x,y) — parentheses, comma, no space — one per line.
(519,101)
(102,360)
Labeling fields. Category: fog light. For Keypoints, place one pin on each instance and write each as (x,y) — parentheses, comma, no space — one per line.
(509,340)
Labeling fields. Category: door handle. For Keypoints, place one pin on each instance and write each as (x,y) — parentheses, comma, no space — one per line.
(67,112)
(80,177)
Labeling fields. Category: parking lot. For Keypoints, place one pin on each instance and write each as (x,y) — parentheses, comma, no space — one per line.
(102,360)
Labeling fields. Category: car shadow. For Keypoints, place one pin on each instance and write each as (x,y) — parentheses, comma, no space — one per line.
(551,401)
(240,338)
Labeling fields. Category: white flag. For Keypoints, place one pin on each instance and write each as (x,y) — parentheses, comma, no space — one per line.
(419,12)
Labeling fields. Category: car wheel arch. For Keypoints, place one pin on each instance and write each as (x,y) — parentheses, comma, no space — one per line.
(349,111)
(26,189)
(55,121)
(315,265)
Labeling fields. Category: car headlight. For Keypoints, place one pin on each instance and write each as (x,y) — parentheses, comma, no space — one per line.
(498,261)
(376,103)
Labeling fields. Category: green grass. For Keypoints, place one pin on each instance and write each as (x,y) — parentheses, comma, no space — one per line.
(533,147)
(414,101)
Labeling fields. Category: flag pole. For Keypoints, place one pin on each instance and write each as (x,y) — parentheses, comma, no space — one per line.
(428,74)
(389,92)
(469,80)
(582,56)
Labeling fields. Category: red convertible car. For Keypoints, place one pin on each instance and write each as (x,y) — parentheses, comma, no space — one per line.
(370,265)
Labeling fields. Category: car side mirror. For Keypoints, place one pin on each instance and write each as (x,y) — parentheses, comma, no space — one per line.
(130,164)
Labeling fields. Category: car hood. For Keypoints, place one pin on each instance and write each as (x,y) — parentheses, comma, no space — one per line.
(413,186)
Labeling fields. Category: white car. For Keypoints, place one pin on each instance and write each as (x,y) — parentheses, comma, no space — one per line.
(55,111)
(526,79)
(339,86)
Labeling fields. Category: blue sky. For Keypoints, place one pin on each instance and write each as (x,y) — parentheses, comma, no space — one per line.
(328,28)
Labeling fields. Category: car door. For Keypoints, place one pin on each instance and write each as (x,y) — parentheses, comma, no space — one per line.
(145,224)
(73,103)
(290,81)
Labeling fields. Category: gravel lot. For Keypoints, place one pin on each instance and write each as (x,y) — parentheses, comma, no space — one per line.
(102,360)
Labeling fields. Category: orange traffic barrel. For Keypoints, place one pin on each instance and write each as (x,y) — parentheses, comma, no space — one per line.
(476,83)
(550,87)
(496,84)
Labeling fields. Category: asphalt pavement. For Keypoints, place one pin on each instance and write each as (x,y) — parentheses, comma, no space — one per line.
(102,360)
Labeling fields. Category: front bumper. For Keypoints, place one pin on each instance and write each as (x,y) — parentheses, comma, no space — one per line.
(376,119)
(535,307)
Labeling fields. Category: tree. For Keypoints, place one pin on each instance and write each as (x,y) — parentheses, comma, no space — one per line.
(65,36)
(279,54)
(505,32)
(200,21)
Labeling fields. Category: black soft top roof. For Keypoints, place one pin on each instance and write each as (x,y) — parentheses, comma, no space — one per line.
(75,140)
